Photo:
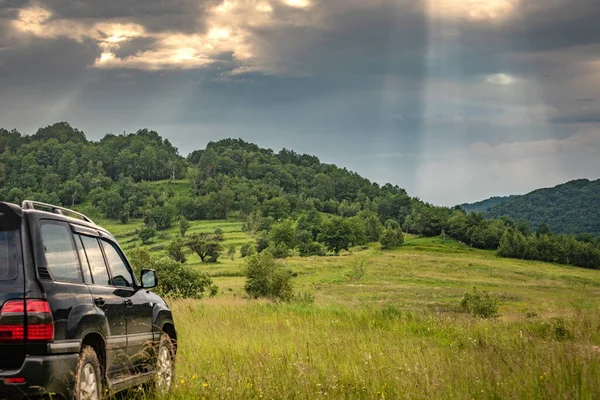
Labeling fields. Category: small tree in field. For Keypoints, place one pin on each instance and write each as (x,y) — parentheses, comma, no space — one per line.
(265,278)
(146,234)
(336,235)
(391,238)
(207,246)
(246,250)
(184,225)
(176,250)
(231,252)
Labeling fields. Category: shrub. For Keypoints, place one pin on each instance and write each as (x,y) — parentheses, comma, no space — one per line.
(175,280)
(391,238)
(265,278)
(146,234)
(358,270)
(184,225)
(261,243)
(480,304)
(279,251)
(231,252)
(311,249)
(246,250)
(560,330)
(176,250)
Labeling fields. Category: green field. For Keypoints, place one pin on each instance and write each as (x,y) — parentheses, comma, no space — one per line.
(388,325)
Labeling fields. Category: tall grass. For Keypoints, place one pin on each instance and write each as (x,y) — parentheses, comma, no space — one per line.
(389,325)
(244,349)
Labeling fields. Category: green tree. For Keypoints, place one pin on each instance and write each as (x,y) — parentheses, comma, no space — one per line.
(161,216)
(266,278)
(176,250)
(277,208)
(391,238)
(147,234)
(112,204)
(283,234)
(262,242)
(71,193)
(207,246)
(246,250)
(336,235)
(184,225)
(231,252)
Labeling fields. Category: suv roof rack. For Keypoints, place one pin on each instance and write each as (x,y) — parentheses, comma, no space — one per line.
(31,205)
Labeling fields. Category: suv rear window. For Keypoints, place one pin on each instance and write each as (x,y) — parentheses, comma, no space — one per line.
(61,256)
(10,254)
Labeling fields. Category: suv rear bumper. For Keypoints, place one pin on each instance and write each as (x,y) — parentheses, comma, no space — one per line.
(43,374)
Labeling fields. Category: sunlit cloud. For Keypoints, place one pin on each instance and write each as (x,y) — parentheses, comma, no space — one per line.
(501,79)
(473,9)
(297,3)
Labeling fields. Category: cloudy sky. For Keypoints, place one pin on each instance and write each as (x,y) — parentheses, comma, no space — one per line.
(454,100)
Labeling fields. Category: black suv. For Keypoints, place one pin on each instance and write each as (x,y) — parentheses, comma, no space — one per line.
(74,320)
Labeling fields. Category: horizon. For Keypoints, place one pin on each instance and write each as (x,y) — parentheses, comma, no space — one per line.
(455,102)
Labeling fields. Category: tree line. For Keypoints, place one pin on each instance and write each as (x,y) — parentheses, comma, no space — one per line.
(292,201)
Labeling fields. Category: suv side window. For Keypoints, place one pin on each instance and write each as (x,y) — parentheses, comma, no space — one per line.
(85,266)
(118,266)
(61,256)
(96,260)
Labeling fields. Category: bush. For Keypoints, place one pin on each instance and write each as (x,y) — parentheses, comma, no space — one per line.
(279,250)
(184,225)
(480,304)
(231,252)
(146,234)
(176,250)
(246,250)
(261,243)
(391,238)
(175,280)
(265,278)
(311,249)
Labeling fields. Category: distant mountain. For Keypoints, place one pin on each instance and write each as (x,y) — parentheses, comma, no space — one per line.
(484,205)
(573,207)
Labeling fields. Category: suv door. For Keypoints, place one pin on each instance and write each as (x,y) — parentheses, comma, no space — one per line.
(107,299)
(138,307)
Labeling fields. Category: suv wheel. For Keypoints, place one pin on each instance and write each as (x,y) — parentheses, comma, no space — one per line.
(165,365)
(88,383)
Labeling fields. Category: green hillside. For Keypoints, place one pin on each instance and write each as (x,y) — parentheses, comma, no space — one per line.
(573,207)
(484,205)
(289,203)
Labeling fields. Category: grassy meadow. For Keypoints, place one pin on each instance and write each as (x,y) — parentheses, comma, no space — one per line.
(387,324)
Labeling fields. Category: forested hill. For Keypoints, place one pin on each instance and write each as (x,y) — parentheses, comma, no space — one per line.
(484,205)
(290,201)
(573,207)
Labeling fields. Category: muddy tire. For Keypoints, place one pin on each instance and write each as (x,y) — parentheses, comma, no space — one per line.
(88,378)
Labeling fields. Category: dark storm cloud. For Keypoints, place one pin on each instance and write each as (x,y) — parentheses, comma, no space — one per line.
(577,119)
(45,62)
(360,83)
(154,15)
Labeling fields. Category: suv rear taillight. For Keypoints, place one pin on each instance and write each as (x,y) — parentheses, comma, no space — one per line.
(29,319)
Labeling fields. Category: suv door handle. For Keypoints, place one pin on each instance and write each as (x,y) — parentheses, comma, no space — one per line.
(128,302)
(99,301)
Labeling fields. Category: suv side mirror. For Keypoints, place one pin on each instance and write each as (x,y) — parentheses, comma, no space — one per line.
(149,278)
